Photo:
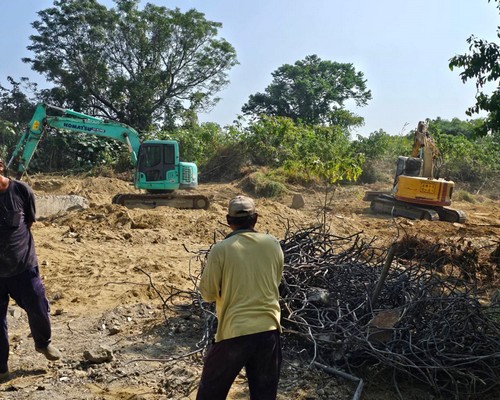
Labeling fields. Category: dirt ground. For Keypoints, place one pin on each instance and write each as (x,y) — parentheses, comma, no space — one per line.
(109,270)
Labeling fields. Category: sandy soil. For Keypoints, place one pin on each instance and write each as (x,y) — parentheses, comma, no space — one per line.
(109,272)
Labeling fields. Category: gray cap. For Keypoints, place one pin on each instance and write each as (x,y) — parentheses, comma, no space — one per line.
(241,206)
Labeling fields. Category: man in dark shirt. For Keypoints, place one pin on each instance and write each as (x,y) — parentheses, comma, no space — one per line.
(19,275)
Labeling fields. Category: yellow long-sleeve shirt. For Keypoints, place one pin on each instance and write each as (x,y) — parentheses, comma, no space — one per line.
(242,276)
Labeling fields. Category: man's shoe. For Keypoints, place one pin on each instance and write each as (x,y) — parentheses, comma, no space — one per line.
(50,352)
(4,376)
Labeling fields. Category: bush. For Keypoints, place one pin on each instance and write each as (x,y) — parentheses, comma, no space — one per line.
(475,163)
(377,171)
(265,184)
(463,195)
(323,151)
(200,143)
(381,151)
(226,164)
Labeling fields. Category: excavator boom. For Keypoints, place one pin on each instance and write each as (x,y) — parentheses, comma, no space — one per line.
(70,121)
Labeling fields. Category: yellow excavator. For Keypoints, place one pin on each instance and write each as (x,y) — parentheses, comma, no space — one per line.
(418,191)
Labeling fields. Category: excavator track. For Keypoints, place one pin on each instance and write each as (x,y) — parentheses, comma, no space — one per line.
(150,200)
(387,204)
(451,215)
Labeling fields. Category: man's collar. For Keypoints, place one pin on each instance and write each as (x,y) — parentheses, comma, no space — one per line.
(235,232)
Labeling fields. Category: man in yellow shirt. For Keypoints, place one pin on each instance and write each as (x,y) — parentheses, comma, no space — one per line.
(242,275)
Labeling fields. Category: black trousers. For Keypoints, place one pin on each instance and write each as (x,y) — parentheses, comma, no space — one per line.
(259,353)
(29,293)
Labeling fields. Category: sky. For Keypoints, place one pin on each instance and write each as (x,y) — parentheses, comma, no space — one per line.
(402,47)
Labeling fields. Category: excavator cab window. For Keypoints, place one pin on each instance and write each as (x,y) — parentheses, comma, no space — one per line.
(152,156)
(169,155)
(155,160)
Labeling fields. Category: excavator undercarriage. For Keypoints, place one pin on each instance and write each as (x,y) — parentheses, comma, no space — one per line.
(153,200)
(385,203)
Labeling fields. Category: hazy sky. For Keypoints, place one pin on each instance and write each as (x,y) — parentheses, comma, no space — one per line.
(401,46)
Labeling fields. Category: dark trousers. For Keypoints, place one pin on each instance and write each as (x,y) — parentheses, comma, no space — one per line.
(28,292)
(259,353)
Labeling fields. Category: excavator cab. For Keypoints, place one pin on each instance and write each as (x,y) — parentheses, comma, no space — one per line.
(159,169)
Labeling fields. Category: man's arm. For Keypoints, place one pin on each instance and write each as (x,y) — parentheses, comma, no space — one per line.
(30,208)
(28,200)
(210,282)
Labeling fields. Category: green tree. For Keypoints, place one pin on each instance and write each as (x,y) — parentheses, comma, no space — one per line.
(312,91)
(15,106)
(457,127)
(140,67)
(483,65)
(15,109)
(7,138)
(199,142)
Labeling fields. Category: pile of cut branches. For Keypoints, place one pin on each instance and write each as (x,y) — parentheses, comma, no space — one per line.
(350,305)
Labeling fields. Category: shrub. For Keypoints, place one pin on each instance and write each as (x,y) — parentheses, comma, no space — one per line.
(266,184)
(463,195)
(226,164)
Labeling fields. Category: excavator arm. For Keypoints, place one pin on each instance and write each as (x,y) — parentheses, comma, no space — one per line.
(69,121)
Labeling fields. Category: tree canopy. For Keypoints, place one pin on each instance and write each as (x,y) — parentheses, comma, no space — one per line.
(312,91)
(15,106)
(456,127)
(141,67)
(483,65)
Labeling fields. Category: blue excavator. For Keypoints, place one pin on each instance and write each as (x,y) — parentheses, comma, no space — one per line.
(158,172)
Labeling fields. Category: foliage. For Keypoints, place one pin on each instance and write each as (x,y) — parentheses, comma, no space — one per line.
(381,151)
(15,109)
(323,152)
(267,183)
(476,162)
(200,142)
(469,129)
(140,67)
(59,151)
(381,145)
(229,163)
(482,64)
(312,91)
(463,195)
(469,160)
(15,106)
(273,141)
(8,138)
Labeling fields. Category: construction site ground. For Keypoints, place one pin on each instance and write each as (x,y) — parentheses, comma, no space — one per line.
(109,272)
